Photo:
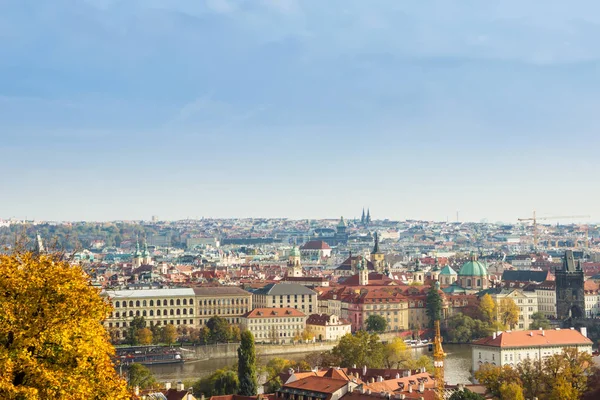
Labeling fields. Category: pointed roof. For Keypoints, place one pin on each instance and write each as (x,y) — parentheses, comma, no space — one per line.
(342,223)
(376,247)
(447,270)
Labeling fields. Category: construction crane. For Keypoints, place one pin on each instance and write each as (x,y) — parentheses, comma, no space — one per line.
(535,219)
(438,361)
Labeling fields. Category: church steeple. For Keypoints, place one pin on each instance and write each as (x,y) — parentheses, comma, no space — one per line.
(368,219)
(377,256)
(363,218)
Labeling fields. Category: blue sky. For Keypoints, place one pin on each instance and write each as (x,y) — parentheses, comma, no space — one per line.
(123,109)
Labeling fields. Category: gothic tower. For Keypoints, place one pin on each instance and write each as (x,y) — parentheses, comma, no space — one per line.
(377,256)
(137,257)
(570,295)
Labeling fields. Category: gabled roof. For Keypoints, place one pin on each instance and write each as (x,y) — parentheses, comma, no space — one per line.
(317,384)
(447,270)
(279,289)
(273,312)
(220,291)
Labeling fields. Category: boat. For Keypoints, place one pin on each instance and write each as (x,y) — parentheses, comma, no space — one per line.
(151,355)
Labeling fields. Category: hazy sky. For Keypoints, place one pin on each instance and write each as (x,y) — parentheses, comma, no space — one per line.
(123,109)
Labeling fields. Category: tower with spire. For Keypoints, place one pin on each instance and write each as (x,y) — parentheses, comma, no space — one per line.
(294,264)
(146,258)
(363,271)
(137,256)
(368,218)
(363,218)
(377,256)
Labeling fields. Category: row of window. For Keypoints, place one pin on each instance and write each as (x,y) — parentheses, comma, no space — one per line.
(270,320)
(150,303)
(146,313)
(172,322)
(270,328)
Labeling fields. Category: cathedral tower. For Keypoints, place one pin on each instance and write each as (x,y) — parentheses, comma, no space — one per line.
(294,265)
(377,256)
(363,272)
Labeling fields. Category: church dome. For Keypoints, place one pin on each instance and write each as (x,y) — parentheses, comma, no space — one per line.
(295,252)
(473,268)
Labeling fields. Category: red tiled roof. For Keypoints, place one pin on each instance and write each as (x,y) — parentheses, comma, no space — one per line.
(317,384)
(551,337)
(274,312)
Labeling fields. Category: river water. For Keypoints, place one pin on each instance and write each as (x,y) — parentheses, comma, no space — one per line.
(458,364)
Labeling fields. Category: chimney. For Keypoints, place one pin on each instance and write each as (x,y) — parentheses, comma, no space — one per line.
(409,388)
(409,372)
(380,378)
(397,376)
(461,387)
(583,330)
(136,390)
(354,366)
(494,335)
(421,387)
(167,385)
(364,370)
(372,380)
(180,386)
(368,391)
(543,333)
(423,369)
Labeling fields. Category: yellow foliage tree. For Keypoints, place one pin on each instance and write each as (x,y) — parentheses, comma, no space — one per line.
(508,312)
(169,334)
(396,353)
(52,342)
(511,391)
(487,308)
(144,336)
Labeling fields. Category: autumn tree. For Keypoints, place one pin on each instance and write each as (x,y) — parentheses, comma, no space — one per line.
(434,305)
(219,329)
(140,376)
(143,336)
(247,365)
(508,312)
(221,382)
(136,324)
(492,377)
(52,342)
(169,334)
(376,323)
(487,308)
(511,391)
(396,353)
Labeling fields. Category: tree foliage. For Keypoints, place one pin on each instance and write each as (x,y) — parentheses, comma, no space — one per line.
(52,343)
(376,323)
(463,329)
(169,334)
(434,305)
(487,308)
(221,382)
(539,321)
(396,353)
(247,365)
(143,336)
(508,312)
(511,391)
(466,394)
(219,329)
(140,376)
(563,376)
(359,349)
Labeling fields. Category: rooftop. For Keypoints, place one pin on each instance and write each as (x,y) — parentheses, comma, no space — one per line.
(550,337)
(139,293)
(274,312)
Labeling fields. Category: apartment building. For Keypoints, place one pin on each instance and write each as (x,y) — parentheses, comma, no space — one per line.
(286,295)
(226,302)
(274,325)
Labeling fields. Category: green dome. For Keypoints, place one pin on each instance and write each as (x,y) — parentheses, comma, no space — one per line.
(295,252)
(473,268)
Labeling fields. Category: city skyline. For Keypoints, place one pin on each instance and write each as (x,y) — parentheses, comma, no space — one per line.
(114,110)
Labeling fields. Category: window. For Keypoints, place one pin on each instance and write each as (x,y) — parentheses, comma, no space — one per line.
(137,303)
(137,313)
(158,303)
(144,303)
(131,313)
(151,313)
(130,303)
(178,311)
(178,302)
(171,312)
(171,302)
(117,314)
(144,313)
(116,304)
(158,313)
(151,303)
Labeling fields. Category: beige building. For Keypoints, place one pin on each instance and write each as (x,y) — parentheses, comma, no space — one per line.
(546,297)
(286,295)
(512,347)
(157,306)
(327,327)
(226,302)
(526,300)
(274,325)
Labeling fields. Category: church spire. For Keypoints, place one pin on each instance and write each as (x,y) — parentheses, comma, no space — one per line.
(376,247)
(368,219)
(362,219)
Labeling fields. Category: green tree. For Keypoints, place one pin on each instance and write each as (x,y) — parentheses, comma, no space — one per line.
(157,333)
(273,385)
(466,394)
(421,362)
(219,329)
(139,375)
(463,329)
(434,305)
(487,308)
(169,334)
(376,323)
(52,342)
(221,382)
(508,312)
(539,321)
(532,379)
(359,349)
(511,391)
(492,377)
(247,365)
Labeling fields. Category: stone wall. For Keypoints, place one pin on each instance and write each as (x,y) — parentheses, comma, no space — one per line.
(229,350)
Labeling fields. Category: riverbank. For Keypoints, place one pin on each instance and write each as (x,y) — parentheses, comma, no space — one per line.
(229,350)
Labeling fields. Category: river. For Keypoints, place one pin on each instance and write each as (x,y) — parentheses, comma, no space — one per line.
(458,364)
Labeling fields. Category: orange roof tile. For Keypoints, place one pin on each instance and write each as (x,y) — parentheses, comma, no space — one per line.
(317,384)
(551,337)
(274,312)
